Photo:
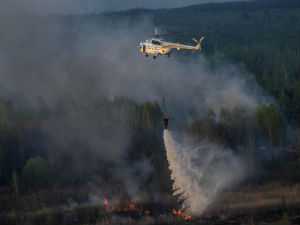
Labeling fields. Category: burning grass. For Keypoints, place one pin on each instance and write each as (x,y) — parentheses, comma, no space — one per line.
(181,213)
(138,210)
(269,204)
(130,208)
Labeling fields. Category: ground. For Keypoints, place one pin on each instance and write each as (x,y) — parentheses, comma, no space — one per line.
(270,203)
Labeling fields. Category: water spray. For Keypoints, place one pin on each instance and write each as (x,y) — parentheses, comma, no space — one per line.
(200,172)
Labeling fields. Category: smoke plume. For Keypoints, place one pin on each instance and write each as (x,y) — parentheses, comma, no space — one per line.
(68,64)
(200,172)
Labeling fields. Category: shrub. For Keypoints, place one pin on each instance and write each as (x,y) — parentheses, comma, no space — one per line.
(36,173)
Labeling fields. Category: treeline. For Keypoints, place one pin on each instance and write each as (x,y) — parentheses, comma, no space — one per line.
(244,5)
(32,158)
(260,136)
(227,6)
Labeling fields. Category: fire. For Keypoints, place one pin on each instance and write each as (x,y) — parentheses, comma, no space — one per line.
(110,207)
(146,212)
(179,212)
(132,206)
(105,202)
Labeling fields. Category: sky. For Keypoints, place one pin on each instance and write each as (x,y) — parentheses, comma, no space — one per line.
(94,6)
(119,4)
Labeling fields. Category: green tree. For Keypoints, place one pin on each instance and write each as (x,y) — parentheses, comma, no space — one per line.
(15,182)
(36,173)
(271,123)
(207,129)
(150,115)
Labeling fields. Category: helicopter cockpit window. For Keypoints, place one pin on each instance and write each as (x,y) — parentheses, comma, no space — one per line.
(155,42)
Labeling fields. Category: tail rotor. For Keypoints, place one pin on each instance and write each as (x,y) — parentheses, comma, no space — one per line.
(198,46)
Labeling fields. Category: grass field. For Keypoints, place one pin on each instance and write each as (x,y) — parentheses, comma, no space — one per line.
(268,204)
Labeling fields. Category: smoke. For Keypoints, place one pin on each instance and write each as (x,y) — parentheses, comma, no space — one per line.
(53,59)
(95,6)
(200,172)
(68,65)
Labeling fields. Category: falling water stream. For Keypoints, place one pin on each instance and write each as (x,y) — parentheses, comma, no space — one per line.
(200,172)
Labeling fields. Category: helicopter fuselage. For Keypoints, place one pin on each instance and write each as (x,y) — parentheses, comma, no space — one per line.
(155,47)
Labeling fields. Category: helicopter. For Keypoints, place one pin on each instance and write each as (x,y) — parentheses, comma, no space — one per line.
(157,46)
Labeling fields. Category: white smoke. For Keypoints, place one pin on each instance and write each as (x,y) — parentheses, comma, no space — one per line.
(75,61)
(200,172)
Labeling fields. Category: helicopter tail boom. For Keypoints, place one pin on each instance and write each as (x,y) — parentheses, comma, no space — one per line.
(198,46)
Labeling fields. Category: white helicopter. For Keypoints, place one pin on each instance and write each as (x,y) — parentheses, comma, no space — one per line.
(157,46)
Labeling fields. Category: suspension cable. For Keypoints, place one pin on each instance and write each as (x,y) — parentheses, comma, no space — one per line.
(162,86)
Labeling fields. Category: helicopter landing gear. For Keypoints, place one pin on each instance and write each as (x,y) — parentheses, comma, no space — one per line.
(146,55)
(154,57)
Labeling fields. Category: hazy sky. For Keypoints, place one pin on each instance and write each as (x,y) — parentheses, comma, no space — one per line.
(121,4)
(87,6)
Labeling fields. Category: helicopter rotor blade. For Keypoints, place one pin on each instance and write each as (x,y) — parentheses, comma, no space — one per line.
(195,40)
(156,33)
(173,33)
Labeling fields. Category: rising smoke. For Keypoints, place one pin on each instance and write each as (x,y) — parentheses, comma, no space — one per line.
(72,62)
(200,172)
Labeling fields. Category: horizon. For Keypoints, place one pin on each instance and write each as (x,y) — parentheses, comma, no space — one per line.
(94,6)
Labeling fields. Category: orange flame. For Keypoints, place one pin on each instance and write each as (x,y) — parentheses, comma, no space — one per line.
(132,206)
(105,202)
(106,205)
(179,212)
(146,212)
(110,207)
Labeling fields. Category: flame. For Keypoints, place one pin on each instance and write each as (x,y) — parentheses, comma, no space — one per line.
(179,212)
(146,212)
(110,207)
(105,202)
(132,206)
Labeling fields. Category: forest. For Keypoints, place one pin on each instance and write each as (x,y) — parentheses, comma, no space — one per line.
(59,159)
